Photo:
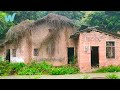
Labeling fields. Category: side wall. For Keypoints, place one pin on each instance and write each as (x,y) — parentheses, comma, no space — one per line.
(96,39)
(61,43)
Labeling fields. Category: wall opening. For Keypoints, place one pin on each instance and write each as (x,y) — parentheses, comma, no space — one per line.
(71,55)
(94,56)
(36,52)
(14,52)
(8,55)
(110,49)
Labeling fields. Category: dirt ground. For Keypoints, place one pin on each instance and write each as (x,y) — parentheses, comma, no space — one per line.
(71,76)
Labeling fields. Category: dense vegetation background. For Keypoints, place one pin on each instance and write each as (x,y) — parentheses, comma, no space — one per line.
(109,20)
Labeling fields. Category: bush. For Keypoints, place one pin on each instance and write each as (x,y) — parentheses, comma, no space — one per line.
(112,76)
(15,67)
(4,68)
(29,71)
(63,70)
(35,68)
(7,68)
(109,69)
(1,58)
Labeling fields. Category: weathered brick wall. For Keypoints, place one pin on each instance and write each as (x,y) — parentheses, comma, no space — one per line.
(61,44)
(96,39)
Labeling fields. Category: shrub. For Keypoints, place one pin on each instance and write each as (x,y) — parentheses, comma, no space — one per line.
(109,69)
(29,71)
(15,67)
(112,76)
(35,68)
(1,58)
(63,70)
(4,68)
(7,68)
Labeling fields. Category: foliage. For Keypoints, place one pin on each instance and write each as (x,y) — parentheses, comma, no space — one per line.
(29,71)
(1,58)
(110,68)
(63,70)
(112,76)
(7,68)
(17,66)
(4,68)
(108,20)
(4,26)
(34,68)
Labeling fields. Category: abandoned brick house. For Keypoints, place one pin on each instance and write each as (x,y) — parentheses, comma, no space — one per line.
(55,39)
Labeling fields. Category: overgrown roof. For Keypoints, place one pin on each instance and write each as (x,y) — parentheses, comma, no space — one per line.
(54,20)
(95,28)
(18,31)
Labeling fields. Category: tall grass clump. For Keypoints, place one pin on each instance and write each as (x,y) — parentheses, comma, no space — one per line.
(112,76)
(110,68)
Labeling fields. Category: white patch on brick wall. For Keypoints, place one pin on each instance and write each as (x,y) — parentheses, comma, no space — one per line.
(17,60)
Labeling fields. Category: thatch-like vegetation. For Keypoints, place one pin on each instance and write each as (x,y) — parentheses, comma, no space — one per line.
(54,20)
(18,31)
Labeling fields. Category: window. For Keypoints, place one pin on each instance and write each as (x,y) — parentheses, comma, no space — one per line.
(110,49)
(36,52)
(14,52)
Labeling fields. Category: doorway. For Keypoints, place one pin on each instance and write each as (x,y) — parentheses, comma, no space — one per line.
(94,56)
(71,55)
(8,55)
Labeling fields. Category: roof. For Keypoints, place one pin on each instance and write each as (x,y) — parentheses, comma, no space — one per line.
(54,20)
(18,30)
(1,42)
(96,28)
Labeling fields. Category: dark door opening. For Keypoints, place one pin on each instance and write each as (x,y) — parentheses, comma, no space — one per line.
(8,55)
(70,55)
(95,56)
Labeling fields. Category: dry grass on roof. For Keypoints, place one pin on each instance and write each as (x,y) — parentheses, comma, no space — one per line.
(18,31)
(54,20)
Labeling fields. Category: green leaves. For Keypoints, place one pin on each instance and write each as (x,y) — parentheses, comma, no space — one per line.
(110,68)
(109,19)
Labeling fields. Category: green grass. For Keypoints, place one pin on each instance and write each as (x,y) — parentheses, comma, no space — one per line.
(63,70)
(110,68)
(85,76)
(112,76)
(34,68)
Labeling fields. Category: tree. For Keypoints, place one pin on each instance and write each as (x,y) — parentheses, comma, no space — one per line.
(4,26)
(109,20)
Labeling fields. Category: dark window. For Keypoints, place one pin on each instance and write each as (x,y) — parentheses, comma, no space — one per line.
(8,55)
(36,52)
(71,55)
(14,52)
(110,49)
(50,30)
